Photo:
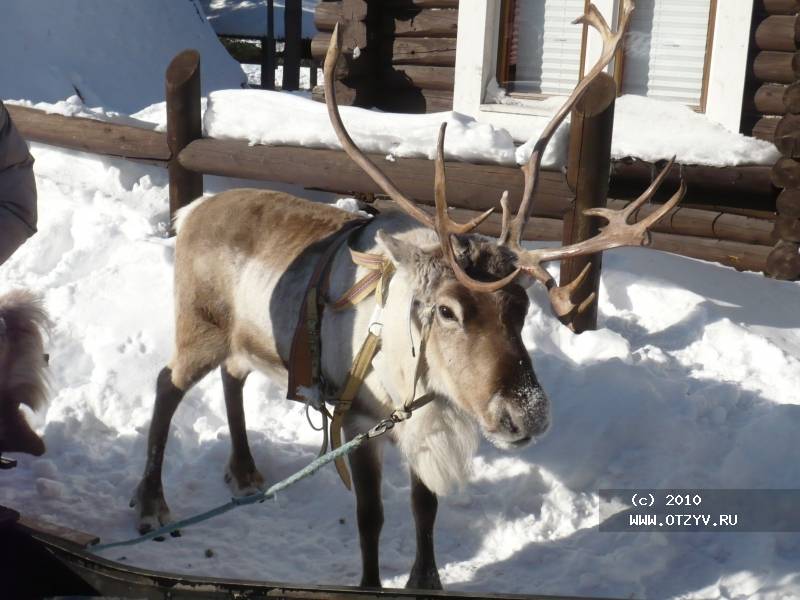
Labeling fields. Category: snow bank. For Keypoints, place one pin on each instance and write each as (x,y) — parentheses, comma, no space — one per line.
(249,17)
(112,53)
(648,129)
(691,381)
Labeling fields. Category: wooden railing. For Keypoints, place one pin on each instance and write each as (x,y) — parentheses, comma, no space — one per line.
(718,234)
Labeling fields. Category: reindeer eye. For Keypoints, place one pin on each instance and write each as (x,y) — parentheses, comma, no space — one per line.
(446,313)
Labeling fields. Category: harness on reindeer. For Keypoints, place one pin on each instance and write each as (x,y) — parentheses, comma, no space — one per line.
(306,381)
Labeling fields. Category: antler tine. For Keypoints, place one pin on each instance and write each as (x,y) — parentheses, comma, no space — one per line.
(386,184)
(618,232)
(445,227)
(611,42)
(506,218)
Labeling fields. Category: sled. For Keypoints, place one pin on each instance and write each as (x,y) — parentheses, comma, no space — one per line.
(38,558)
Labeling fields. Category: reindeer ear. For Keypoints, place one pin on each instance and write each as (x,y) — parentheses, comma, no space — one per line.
(401,253)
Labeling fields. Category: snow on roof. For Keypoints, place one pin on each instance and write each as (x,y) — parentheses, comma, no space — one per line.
(249,17)
(113,53)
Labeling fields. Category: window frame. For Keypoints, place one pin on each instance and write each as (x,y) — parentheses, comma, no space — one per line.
(477,59)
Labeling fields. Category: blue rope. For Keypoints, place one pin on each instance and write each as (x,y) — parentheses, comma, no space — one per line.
(306,471)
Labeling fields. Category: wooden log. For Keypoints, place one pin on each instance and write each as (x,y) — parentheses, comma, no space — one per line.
(352,93)
(787,136)
(780,7)
(432,78)
(788,203)
(768,99)
(350,13)
(414,100)
(349,66)
(776,67)
(470,186)
(588,166)
(440,52)
(419,4)
(728,186)
(88,135)
(426,23)
(184,125)
(786,173)
(327,14)
(742,257)
(791,98)
(292,19)
(765,127)
(778,32)
(787,228)
(783,261)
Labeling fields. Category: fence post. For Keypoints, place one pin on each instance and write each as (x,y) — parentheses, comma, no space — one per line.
(588,173)
(268,50)
(183,126)
(292,29)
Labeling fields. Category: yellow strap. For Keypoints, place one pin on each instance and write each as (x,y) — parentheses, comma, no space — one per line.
(354,380)
(381,270)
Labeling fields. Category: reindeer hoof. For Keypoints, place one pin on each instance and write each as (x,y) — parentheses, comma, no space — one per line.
(244,481)
(424,579)
(152,510)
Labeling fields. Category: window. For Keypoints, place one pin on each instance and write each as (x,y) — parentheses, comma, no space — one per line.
(489,48)
(666,54)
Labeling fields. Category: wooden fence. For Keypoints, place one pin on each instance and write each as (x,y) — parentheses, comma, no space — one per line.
(296,52)
(740,240)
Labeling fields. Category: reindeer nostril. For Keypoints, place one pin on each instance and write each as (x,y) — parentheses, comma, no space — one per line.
(508,423)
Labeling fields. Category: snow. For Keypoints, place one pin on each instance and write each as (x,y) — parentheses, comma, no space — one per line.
(644,128)
(691,381)
(113,53)
(249,17)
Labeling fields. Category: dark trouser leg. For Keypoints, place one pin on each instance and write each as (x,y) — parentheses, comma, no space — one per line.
(424,574)
(241,474)
(13,233)
(149,496)
(365,465)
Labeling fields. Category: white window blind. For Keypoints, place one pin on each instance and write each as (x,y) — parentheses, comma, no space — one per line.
(546,47)
(665,50)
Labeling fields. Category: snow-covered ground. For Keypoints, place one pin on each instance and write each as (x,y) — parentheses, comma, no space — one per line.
(692,380)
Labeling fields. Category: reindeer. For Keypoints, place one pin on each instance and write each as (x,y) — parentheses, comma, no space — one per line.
(22,369)
(243,260)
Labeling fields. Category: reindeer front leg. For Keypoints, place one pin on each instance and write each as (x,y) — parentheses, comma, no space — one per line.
(424,574)
(366,467)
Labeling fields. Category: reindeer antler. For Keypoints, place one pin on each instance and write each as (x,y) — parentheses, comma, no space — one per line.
(371,169)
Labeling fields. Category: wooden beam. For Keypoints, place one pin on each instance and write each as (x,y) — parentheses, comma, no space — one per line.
(778,32)
(768,99)
(791,98)
(788,203)
(419,4)
(787,136)
(89,135)
(426,23)
(184,125)
(588,166)
(431,78)
(414,100)
(468,186)
(786,173)
(784,261)
(439,52)
(780,7)
(765,127)
(776,67)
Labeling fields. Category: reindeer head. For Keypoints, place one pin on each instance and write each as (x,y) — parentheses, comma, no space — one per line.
(474,353)
(472,291)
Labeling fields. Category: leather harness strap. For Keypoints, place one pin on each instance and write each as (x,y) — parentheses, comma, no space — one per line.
(305,355)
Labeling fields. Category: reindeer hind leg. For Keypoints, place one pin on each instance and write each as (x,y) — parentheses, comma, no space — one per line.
(241,473)
(199,350)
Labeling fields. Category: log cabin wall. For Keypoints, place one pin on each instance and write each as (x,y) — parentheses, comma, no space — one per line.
(406,52)
(776,104)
